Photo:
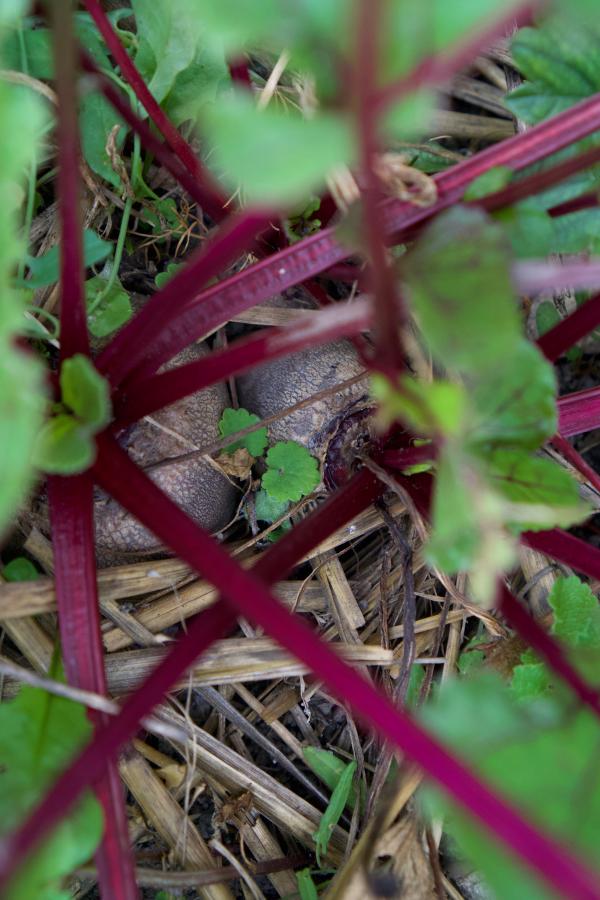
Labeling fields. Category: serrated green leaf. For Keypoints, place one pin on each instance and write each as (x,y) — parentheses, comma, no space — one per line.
(113,310)
(85,391)
(274,156)
(267,509)
(63,447)
(291,471)
(234,420)
(459,279)
(576,613)
(44,269)
(560,63)
(20,569)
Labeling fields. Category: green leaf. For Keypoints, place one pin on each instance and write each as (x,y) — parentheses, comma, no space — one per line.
(274,156)
(107,310)
(306,886)
(560,62)
(547,493)
(44,269)
(64,446)
(334,810)
(234,420)
(199,84)
(85,391)
(546,317)
(329,769)
(516,405)
(163,277)
(455,534)
(437,407)
(39,733)
(291,471)
(491,181)
(576,613)
(519,748)
(22,399)
(531,231)
(168,33)
(20,569)
(267,509)
(97,118)
(459,279)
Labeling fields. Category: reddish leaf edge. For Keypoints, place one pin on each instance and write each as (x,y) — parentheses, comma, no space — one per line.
(71,517)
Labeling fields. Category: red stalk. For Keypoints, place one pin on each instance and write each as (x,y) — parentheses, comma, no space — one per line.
(579,412)
(268,344)
(571,454)
(540,181)
(71,504)
(440,68)
(572,329)
(408,456)
(321,251)
(73,325)
(565,548)
(203,193)
(388,315)
(545,646)
(132,343)
(202,631)
(585,201)
(129,71)
(238,69)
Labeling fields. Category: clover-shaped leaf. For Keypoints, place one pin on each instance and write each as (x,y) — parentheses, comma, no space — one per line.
(234,420)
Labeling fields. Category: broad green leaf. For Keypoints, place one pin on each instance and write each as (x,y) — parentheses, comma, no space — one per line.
(531,231)
(291,471)
(460,287)
(112,310)
(22,398)
(85,391)
(516,405)
(560,62)
(547,493)
(97,118)
(267,509)
(520,748)
(198,84)
(168,33)
(44,270)
(234,420)
(63,446)
(39,733)
(38,60)
(274,156)
(20,569)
